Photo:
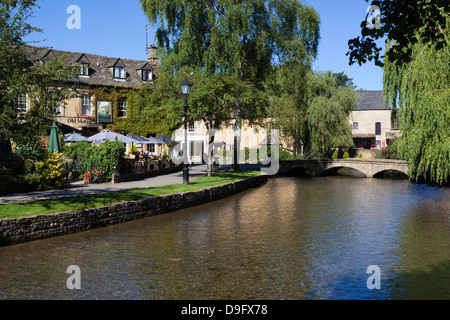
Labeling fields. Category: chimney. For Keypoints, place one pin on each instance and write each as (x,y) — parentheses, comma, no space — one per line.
(152,55)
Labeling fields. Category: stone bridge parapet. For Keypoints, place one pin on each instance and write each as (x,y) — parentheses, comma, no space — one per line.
(369,167)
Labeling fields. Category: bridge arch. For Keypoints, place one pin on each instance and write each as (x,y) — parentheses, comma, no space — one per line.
(351,171)
(391,173)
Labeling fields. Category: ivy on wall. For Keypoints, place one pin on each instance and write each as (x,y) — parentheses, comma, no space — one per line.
(152,109)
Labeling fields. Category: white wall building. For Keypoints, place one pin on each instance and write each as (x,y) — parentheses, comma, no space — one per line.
(371,121)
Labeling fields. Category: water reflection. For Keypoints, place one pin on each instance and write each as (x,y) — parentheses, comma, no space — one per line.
(293,238)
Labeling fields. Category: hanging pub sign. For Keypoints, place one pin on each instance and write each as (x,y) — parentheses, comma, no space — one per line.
(104,111)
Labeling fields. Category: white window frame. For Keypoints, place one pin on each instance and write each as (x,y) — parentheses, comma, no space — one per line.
(120,73)
(84,69)
(21,103)
(147,75)
(60,109)
(151,148)
(84,105)
(123,108)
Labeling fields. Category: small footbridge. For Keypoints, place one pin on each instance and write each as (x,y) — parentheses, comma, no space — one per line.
(369,167)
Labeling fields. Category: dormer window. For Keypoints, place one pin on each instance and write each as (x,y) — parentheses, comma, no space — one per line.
(147,75)
(84,69)
(83,65)
(46,62)
(120,72)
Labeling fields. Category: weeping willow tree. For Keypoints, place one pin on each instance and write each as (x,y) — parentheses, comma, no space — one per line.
(421,91)
(329,106)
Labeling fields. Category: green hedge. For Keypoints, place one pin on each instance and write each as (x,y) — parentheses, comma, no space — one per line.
(104,157)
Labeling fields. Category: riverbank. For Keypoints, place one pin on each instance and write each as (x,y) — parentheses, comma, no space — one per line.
(105,209)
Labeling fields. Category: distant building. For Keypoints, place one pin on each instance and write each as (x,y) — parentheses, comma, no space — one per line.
(372,127)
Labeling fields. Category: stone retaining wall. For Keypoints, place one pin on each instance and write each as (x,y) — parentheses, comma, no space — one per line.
(18,230)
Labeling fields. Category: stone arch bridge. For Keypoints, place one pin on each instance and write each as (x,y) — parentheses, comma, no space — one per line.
(369,167)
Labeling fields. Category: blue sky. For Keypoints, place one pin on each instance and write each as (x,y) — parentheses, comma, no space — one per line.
(117,29)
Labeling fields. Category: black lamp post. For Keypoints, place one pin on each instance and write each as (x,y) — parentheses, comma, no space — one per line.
(185,89)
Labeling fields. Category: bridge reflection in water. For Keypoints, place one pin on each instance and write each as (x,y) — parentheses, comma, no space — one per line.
(367,167)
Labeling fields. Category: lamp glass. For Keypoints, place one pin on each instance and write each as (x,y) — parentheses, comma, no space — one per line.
(186,87)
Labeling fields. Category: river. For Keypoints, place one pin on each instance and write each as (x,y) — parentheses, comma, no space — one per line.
(292,238)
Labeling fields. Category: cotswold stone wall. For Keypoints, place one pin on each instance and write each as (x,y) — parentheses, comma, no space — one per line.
(18,230)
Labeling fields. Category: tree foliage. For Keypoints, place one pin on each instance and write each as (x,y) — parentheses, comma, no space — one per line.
(45,85)
(329,107)
(311,109)
(243,38)
(421,90)
(405,23)
(153,109)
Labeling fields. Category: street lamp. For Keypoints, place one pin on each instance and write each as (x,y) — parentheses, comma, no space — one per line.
(185,89)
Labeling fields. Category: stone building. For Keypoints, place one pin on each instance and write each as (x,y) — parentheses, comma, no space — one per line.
(372,126)
(88,112)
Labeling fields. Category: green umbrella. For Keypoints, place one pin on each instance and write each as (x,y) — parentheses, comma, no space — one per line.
(53,145)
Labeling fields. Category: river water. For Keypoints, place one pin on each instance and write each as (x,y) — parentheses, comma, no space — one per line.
(292,238)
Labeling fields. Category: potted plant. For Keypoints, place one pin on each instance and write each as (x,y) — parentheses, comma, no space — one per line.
(86,178)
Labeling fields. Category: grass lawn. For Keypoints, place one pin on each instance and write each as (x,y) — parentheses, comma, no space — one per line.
(20,209)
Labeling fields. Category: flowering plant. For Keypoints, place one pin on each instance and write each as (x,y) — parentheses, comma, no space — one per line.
(96,175)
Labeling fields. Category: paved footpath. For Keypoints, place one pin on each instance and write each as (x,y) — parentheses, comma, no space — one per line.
(79,188)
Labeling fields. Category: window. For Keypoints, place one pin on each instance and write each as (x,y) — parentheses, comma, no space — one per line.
(151,148)
(120,73)
(46,62)
(191,127)
(86,108)
(84,69)
(147,75)
(123,108)
(21,103)
(231,127)
(59,110)
(377,128)
(355,125)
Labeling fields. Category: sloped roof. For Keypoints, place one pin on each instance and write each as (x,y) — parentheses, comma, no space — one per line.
(101,71)
(371,100)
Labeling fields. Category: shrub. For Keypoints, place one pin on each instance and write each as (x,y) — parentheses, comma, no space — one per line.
(33,180)
(360,155)
(104,157)
(346,155)
(335,155)
(51,171)
(14,162)
(32,149)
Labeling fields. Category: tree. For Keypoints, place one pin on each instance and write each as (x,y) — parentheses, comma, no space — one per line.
(243,38)
(416,79)
(421,90)
(329,106)
(46,83)
(403,23)
(240,38)
(216,98)
(288,102)
(311,109)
